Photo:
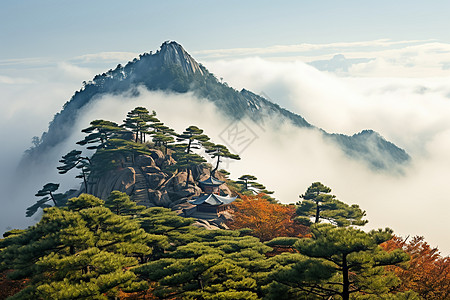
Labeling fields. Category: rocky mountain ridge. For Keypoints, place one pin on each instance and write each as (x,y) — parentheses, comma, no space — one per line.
(172,69)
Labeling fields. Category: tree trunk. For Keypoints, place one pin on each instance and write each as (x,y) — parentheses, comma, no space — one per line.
(189,146)
(200,282)
(187,178)
(213,172)
(346,283)
(85,181)
(51,196)
(317,212)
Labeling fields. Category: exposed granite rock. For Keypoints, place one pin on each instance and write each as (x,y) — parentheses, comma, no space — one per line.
(121,180)
(145,161)
(146,183)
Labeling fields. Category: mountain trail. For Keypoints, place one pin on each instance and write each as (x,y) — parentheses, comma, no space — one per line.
(140,194)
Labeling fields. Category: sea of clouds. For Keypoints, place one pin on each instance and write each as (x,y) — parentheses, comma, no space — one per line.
(406,100)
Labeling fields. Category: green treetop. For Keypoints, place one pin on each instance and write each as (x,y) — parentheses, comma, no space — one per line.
(73,159)
(84,251)
(222,265)
(138,122)
(48,192)
(99,132)
(163,136)
(120,204)
(319,204)
(248,185)
(192,137)
(343,261)
(127,148)
(219,151)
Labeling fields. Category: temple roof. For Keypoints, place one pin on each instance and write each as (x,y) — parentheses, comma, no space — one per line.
(211,181)
(213,199)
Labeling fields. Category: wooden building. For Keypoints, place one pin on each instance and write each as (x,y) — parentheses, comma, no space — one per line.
(212,203)
(211,185)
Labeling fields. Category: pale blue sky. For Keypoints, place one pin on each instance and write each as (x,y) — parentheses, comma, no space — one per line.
(62,29)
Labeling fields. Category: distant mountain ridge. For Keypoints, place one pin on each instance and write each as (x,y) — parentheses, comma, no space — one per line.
(172,69)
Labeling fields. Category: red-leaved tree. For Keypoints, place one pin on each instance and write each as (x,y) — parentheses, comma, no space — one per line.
(267,220)
(428,273)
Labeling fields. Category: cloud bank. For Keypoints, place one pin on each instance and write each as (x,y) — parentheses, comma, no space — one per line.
(411,111)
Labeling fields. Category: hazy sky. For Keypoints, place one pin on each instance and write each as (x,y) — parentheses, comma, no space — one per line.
(61,28)
(395,79)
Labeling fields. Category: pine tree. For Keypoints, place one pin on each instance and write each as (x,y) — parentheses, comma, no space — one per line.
(99,132)
(319,204)
(192,137)
(342,261)
(138,122)
(186,161)
(219,151)
(120,204)
(251,187)
(222,265)
(73,159)
(126,148)
(163,136)
(84,251)
(48,192)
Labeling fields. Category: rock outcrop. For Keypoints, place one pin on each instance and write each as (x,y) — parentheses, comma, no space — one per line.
(145,181)
(123,180)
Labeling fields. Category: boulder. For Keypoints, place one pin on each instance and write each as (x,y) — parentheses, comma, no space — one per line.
(205,224)
(201,172)
(156,154)
(151,169)
(178,182)
(155,179)
(166,161)
(160,198)
(187,193)
(122,180)
(145,161)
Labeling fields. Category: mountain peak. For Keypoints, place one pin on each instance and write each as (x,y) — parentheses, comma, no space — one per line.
(173,53)
(156,72)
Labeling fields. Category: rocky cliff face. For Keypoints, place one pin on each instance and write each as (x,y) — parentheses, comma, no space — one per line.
(173,53)
(147,183)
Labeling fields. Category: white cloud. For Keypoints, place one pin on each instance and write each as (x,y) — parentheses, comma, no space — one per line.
(302,49)
(288,159)
(387,58)
(14,80)
(105,57)
(71,71)
(413,112)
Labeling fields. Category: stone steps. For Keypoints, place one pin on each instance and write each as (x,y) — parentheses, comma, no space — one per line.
(140,195)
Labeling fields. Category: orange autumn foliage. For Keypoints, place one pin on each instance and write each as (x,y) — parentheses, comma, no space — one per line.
(10,287)
(428,273)
(267,220)
(137,296)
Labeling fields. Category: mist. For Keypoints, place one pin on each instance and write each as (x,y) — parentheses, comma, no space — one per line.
(288,159)
(411,112)
(30,96)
